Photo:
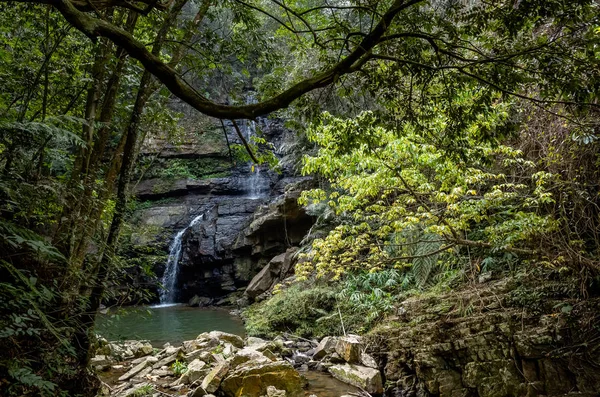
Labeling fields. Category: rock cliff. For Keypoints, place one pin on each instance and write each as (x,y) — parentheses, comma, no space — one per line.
(474,343)
(248,217)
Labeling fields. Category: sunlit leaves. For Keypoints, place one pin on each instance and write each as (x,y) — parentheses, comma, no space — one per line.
(388,181)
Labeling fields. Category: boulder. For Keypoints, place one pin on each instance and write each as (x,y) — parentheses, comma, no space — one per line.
(325,347)
(348,347)
(212,381)
(195,345)
(203,355)
(252,341)
(196,370)
(262,282)
(235,340)
(248,354)
(200,301)
(366,378)
(253,380)
(277,269)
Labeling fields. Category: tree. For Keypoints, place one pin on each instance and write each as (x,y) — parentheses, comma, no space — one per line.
(390,52)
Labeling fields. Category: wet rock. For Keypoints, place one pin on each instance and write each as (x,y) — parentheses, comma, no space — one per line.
(253,379)
(359,376)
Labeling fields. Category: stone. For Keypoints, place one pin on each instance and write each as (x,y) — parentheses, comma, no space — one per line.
(142,374)
(199,392)
(101,361)
(235,340)
(160,373)
(137,368)
(203,355)
(228,350)
(359,376)
(195,345)
(263,281)
(247,354)
(195,370)
(252,341)
(335,358)
(349,348)
(368,361)
(253,379)
(200,301)
(213,379)
(168,360)
(325,347)
(272,391)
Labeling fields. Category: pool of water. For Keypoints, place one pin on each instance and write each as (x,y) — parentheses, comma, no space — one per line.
(161,324)
(325,385)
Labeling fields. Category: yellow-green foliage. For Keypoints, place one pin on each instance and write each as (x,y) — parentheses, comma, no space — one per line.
(390,184)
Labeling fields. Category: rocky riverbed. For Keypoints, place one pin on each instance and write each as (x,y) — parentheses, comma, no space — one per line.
(223,364)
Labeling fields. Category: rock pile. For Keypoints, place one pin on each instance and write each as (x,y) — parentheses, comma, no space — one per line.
(226,365)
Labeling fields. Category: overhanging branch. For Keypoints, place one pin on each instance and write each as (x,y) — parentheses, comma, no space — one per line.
(93,28)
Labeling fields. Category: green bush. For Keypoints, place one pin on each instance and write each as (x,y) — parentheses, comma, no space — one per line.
(305,309)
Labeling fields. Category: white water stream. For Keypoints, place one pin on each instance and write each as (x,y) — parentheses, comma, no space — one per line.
(169,279)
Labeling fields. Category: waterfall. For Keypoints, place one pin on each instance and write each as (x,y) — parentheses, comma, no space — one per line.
(252,184)
(253,187)
(169,279)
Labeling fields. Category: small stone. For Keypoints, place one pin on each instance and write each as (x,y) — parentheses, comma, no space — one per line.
(272,391)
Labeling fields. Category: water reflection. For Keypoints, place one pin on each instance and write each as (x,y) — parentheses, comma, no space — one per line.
(166,323)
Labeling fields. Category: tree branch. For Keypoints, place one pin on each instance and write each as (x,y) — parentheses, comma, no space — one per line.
(93,28)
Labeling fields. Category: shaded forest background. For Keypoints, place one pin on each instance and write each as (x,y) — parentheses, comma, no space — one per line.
(450,138)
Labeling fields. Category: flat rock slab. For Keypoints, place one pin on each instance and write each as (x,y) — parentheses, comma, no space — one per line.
(138,368)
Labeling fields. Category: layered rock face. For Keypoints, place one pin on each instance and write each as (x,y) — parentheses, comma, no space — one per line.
(244,217)
(473,344)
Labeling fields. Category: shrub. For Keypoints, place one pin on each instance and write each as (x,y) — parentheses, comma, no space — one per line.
(303,309)
(179,368)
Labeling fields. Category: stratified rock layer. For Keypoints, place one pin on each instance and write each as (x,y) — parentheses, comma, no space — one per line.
(434,348)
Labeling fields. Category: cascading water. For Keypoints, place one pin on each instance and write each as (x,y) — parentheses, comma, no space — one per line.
(252,184)
(169,279)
